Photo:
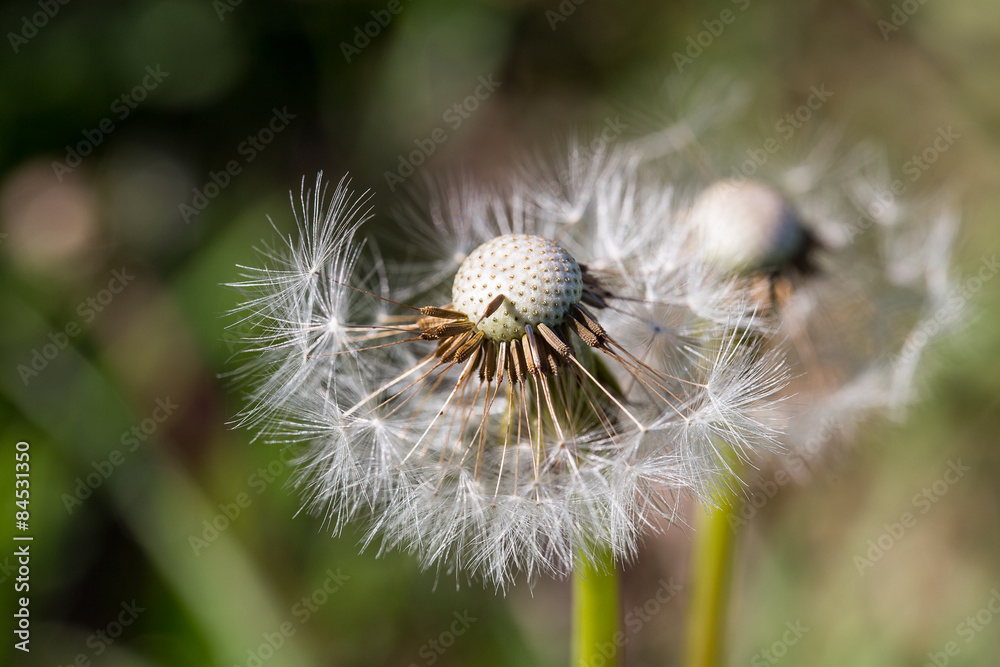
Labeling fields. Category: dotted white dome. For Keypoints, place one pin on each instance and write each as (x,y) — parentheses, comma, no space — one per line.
(746,226)
(539,279)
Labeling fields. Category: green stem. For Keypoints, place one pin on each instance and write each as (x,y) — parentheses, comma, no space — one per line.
(711,560)
(596,635)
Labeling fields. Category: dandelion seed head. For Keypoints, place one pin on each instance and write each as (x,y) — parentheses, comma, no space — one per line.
(557,406)
(850,273)
(538,279)
(746,225)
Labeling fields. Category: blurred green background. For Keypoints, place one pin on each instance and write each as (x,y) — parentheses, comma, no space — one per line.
(148,510)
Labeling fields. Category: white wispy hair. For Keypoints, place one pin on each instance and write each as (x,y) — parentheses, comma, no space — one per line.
(494,458)
(871,288)
(861,324)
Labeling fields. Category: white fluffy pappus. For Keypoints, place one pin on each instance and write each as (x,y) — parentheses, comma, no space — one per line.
(515,455)
(859,279)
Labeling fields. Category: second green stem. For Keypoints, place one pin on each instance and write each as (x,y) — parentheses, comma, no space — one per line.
(711,563)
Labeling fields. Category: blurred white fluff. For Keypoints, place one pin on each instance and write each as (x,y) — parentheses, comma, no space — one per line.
(856,307)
